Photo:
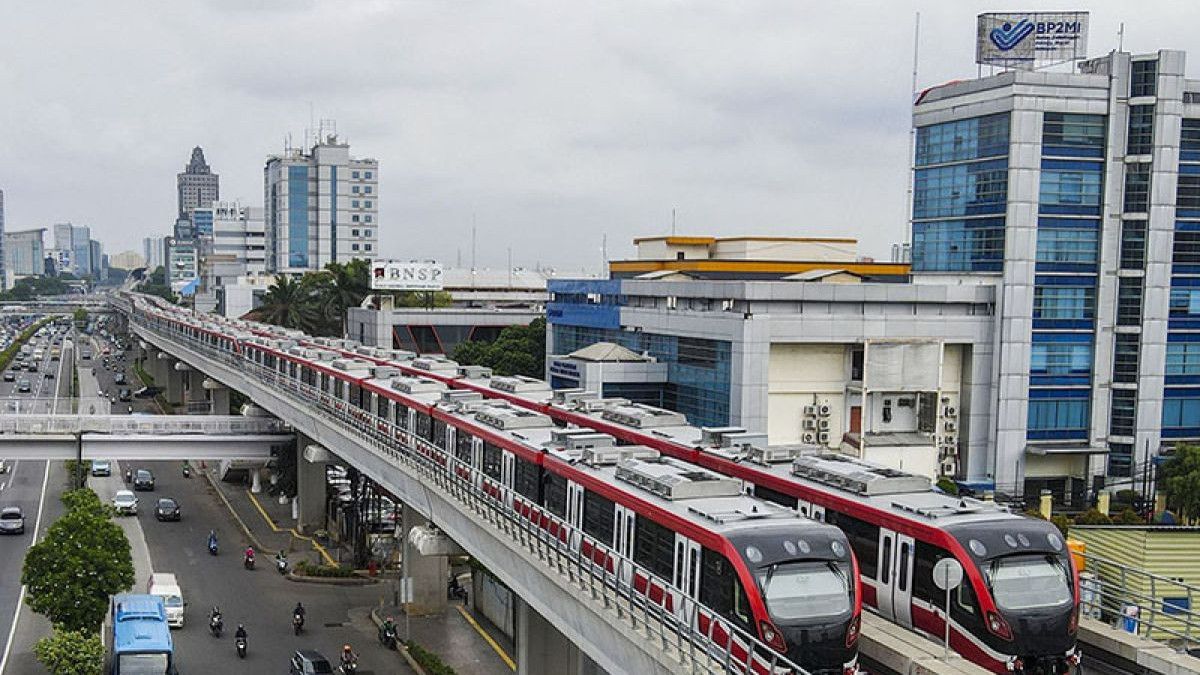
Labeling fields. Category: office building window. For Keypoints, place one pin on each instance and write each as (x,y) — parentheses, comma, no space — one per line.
(354,218)
(354,189)
(1129,301)
(1075,245)
(354,174)
(1183,358)
(367,189)
(366,233)
(1186,247)
(1123,420)
(354,247)
(975,245)
(1070,187)
(367,218)
(297,214)
(1061,411)
(961,190)
(370,175)
(1189,139)
(1142,77)
(1180,414)
(1120,460)
(353,233)
(1137,187)
(1061,358)
(1185,302)
(1187,192)
(963,140)
(367,203)
(367,247)
(1064,302)
(1070,134)
(1133,244)
(354,203)
(1125,357)
(1141,130)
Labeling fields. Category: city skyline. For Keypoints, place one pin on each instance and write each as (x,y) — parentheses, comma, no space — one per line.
(601,120)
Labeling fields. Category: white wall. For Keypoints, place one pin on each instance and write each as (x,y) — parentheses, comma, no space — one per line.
(800,375)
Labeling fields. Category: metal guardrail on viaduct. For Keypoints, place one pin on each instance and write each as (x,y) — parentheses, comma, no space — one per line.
(593,605)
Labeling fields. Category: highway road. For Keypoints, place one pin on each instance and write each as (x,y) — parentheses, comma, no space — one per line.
(35,487)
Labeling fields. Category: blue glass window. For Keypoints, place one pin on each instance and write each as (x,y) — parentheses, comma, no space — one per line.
(298,216)
(1070,187)
(1064,302)
(1183,358)
(1073,135)
(1062,357)
(959,245)
(1187,192)
(1058,414)
(961,190)
(1141,130)
(1075,245)
(1137,187)
(1181,413)
(963,140)
(1189,140)
(1143,76)
(1185,302)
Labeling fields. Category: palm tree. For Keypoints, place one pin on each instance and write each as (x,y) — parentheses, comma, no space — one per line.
(288,303)
(346,286)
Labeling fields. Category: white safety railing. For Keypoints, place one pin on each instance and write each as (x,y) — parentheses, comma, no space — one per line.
(1139,602)
(141,425)
(604,576)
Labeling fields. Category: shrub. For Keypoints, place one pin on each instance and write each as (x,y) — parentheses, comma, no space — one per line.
(1129,517)
(308,569)
(432,663)
(1092,517)
(67,652)
(1062,522)
(947,485)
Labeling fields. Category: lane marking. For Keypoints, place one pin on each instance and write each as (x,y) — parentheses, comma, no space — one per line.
(37,528)
(319,547)
(495,646)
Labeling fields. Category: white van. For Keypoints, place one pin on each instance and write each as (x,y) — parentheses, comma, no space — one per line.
(164,585)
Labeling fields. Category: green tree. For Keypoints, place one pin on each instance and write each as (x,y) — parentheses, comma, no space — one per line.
(518,350)
(84,558)
(1181,476)
(80,315)
(289,303)
(156,284)
(68,652)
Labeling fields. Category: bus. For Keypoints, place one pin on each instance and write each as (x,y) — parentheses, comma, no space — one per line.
(141,639)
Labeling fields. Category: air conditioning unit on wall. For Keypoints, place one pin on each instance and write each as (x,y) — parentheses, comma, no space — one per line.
(810,411)
(810,424)
(950,411)
(809,438)
(824,410)
(823,438)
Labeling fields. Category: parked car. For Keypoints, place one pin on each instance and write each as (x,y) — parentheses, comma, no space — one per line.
(101,467)
(309,662)
(12,520)
(143,480)
(125,502)
(166,508)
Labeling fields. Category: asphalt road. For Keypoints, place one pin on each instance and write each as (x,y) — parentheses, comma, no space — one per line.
(34,486)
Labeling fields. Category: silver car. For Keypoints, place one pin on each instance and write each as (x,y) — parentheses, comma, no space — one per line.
(12,520)
(125,502)
(101,467)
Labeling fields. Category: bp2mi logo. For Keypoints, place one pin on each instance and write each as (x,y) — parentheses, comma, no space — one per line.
(1010,35)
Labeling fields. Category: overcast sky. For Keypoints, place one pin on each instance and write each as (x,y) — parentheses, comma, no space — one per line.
(550,124)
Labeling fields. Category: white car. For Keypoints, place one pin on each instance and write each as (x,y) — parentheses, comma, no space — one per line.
(125,502)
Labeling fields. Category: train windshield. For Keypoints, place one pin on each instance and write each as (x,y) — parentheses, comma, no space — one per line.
(1029,581)
(796,591)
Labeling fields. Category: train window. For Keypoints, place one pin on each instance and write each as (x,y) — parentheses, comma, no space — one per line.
(554,491)
(965,597)
(381,406)
(462,447)
(491,460)
(903,571)
(356,397)
(652,546)
(439,433)
(423,426)
(307,376)
(325,382)
(401,412)
(775,496)
(864,539)
(885,574)
(923,587)
(527,478)
(598,516)
(722,591)
(339,388)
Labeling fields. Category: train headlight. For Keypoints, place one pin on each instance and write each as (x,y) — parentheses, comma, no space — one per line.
(998,626)
(772,637)
(853,630)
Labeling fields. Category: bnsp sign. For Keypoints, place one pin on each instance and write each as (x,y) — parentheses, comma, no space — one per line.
(387,275)
(1027,39)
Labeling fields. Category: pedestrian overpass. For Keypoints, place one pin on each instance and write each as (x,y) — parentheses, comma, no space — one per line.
(140,437)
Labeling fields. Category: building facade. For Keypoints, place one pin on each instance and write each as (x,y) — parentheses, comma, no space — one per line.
(1078,196)
(152,252)
(197,186)
(127,260)
(3,272)
(24,253)
(321,206)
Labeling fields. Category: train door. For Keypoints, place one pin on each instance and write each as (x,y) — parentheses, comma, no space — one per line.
(623,537)
(575,511)
(506,476)
(686,577)
(894,589)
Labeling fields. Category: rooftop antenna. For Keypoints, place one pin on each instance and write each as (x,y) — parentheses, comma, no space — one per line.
(603,251)
(672,221)
(912,130)
(472,244)
(1121,37)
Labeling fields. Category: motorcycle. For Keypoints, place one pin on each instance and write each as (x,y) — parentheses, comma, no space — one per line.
(215,625)
(212,546)
(281,565)
(455,590)
(241,647)
(349,667)
(297,622)
(387,636)
(248,561)
(187,471)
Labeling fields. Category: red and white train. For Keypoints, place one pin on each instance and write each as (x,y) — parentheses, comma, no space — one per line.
(1017,609)
(706,548)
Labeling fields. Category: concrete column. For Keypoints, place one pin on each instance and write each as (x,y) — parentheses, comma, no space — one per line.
(159,367)
(542,650)
(219,398)
(195,395)
(311,459)
(429,573)
(173,389)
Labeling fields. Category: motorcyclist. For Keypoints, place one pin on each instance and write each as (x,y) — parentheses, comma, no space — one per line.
(214,619)
(241,632)
(212,538)
(348,655)
(281,559)
(249,555)
(299,610)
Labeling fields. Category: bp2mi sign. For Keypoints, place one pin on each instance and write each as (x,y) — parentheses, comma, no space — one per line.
(392,275)
(1029,39)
